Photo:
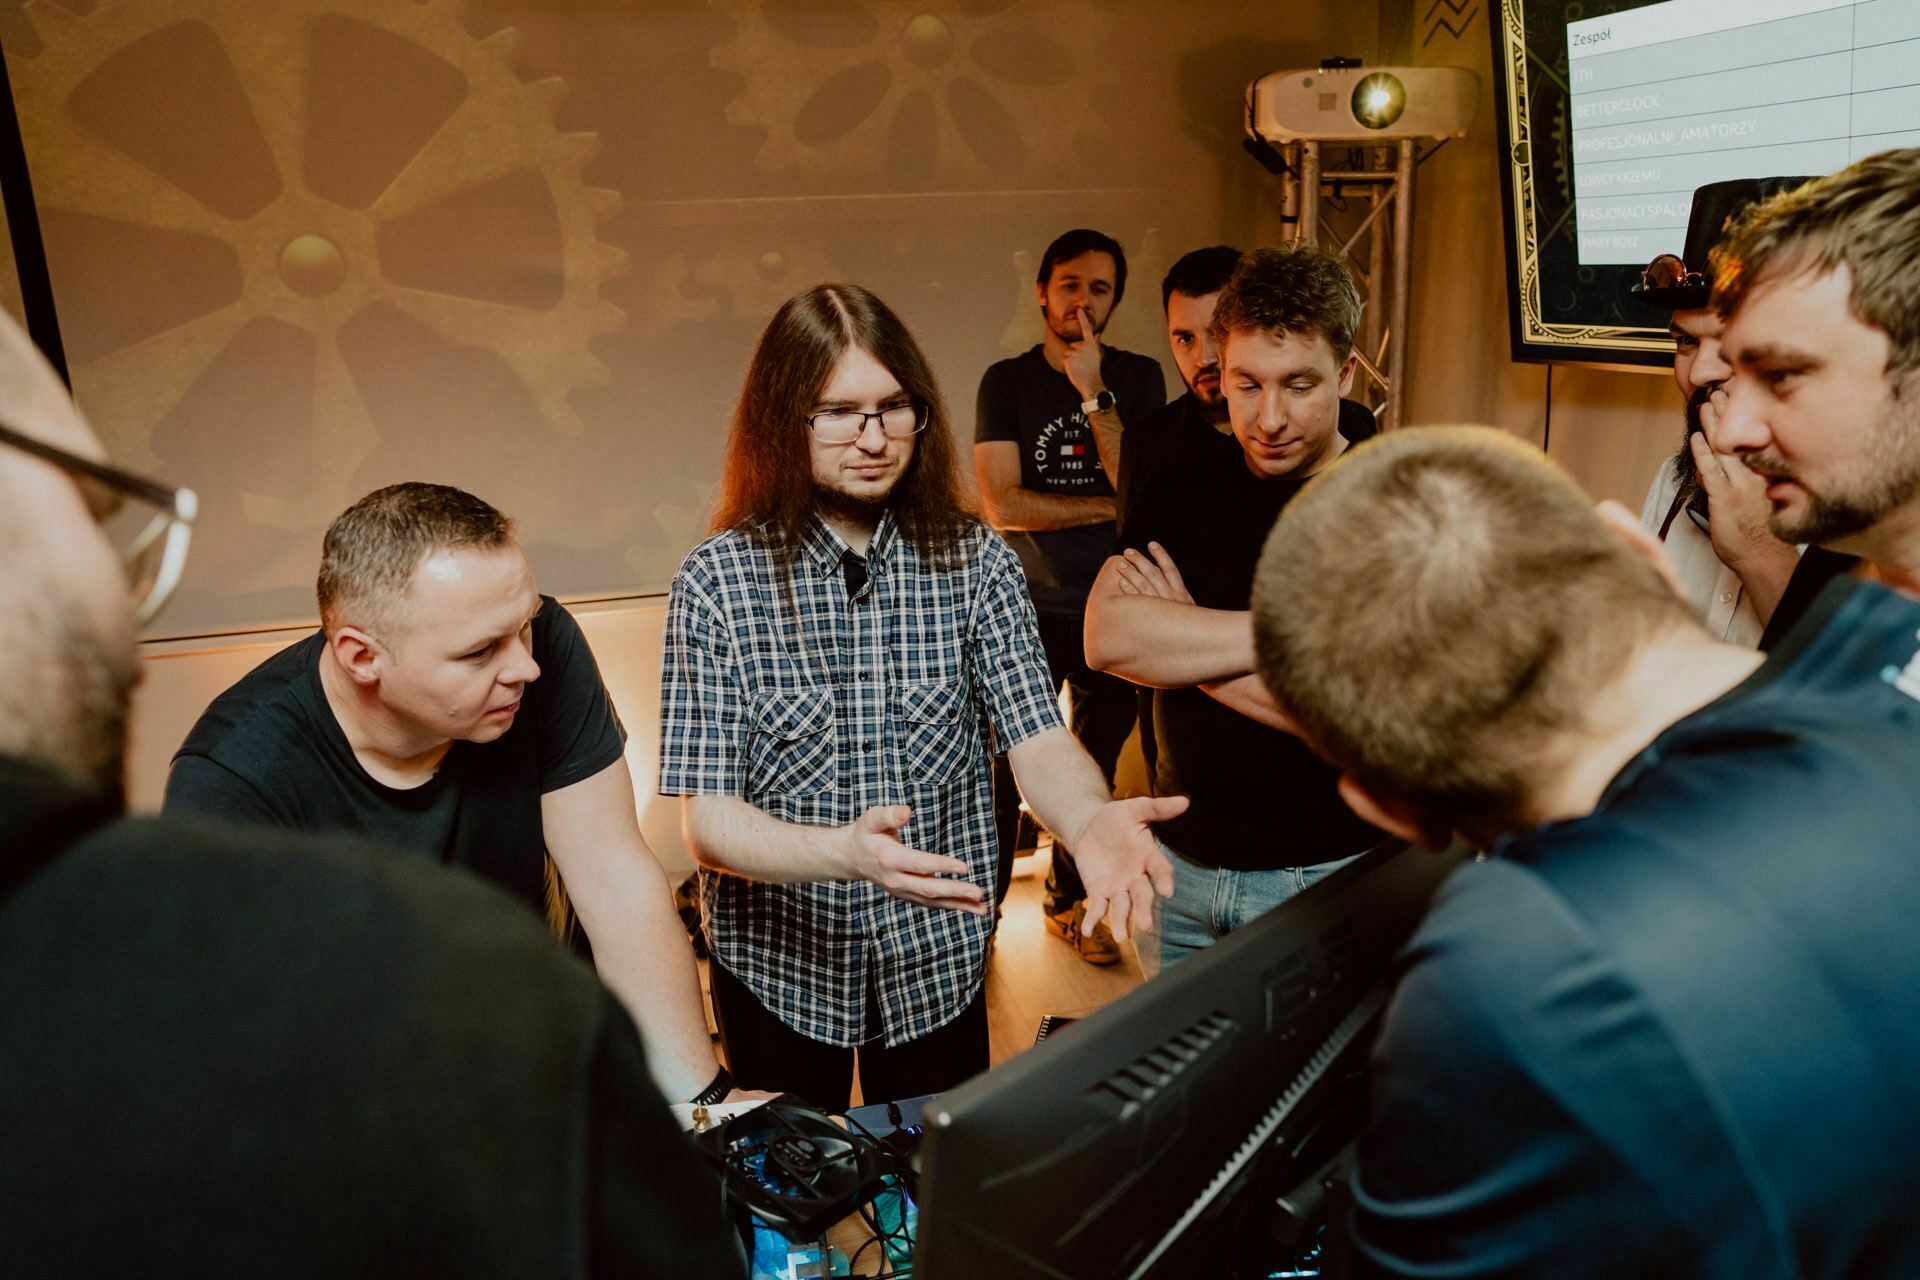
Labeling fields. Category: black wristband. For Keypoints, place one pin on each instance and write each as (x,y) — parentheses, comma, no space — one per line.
(715,1092)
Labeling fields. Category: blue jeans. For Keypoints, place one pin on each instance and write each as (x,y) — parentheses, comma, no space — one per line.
(1208,903)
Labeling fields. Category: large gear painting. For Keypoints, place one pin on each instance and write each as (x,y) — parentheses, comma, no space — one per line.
(313,243)
(945,94)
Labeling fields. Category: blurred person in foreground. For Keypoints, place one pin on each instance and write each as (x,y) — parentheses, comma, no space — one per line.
(233,1051)
(1667,1026)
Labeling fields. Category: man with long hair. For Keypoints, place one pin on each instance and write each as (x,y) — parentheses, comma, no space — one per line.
(835,653)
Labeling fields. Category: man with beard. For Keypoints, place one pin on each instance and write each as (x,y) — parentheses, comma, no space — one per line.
(1188,296)
(1046,455)
(835,654)
(1820,293)
(231,1051)
(1710,511)
(1170,612)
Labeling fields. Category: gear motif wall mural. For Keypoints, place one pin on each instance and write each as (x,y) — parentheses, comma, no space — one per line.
(918,96)
(236,183)
(300,249)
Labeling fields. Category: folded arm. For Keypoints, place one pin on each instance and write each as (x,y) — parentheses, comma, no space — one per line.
(996,468)
(1153,639)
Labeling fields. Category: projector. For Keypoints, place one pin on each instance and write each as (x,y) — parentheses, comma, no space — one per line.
(1362,104)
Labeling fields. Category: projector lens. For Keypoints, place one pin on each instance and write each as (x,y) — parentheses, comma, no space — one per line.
(1378,100)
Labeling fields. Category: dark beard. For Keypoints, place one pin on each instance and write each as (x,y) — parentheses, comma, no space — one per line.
(1684,469)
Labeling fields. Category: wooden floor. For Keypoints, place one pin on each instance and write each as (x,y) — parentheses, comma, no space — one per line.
(1032,973)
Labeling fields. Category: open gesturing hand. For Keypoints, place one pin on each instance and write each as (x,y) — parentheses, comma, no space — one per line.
(875,853)
(1122,863)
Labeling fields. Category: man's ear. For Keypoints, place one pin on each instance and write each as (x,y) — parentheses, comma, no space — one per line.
(1629,530)
(358,654)
(1394,816)
(1347,370)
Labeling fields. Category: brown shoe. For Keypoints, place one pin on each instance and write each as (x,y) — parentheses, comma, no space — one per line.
(1097,947)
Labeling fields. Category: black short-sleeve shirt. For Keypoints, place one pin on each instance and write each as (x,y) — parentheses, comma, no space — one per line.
(1260,799)
(269,750)
(1026,400)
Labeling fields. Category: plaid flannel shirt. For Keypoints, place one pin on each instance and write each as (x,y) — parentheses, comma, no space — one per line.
(814,707)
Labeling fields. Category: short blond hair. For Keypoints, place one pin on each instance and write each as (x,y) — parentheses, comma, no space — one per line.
(373,548)
(1434,604)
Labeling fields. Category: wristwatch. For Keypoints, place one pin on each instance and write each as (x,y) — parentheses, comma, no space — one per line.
(716,1090)
(1101,403)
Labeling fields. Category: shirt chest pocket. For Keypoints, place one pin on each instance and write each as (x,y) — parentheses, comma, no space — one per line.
(793,743)
(936,736)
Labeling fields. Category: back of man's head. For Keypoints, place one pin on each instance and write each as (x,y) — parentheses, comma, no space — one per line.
(1296,289)
(373,548)
(1200,272)
(1436,605)
(1866,218)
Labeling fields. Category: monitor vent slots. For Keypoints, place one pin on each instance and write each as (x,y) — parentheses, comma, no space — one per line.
(1139,1081)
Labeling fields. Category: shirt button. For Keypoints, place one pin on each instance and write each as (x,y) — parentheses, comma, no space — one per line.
(1726,597)
(863,675)
(866,746)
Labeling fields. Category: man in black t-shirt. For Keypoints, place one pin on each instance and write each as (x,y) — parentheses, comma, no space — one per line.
(1170,612)
(231,1051)
(1820,291)
(1046,452)
(1667,1026)
(447,709)
(1188,296)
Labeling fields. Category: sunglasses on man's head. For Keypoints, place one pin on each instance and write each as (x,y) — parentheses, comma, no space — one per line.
(1668,272)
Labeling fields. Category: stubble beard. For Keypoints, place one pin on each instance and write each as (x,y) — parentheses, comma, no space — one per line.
(64,700)
(1892,460)
(1067,329)
(853,507)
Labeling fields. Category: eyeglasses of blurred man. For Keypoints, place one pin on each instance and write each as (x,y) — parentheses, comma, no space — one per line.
(149,524)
